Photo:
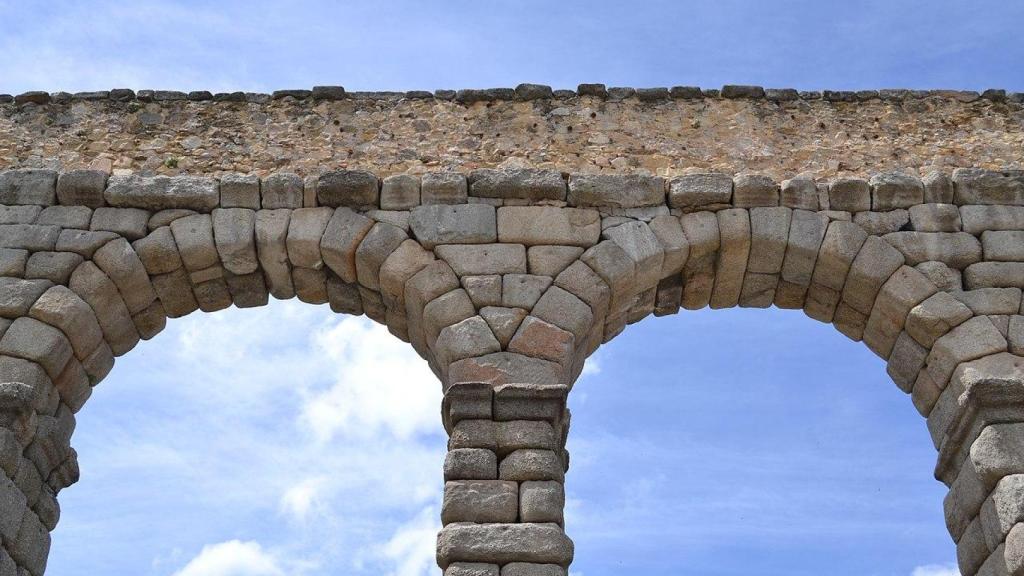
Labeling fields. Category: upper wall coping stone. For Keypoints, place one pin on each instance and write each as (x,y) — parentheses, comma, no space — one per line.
(522,92)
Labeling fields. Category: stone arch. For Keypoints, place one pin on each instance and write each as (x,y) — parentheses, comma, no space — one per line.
(505,282)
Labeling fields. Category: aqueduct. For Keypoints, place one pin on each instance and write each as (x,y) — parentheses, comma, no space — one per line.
(507,234)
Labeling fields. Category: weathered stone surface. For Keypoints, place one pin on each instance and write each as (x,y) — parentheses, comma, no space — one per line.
(701,229)
(399,192)
(28,237)
(841,244)
(938,188)
(800,194)
(607,190)
(503,544)
(994,275)
(453,224)
(162,192)
(944,277)
(523,290)
(28,186)
(955,249)
(19,214)
(53,266)
(81,188)
(935,218)
(640,244)
(41,343)
(536,225)
(531,464)
(934,317)
(122,265)
(849,194)
(973,339)
(305,230)
(65,216)
(977,186)
(443,188)
(750,190)
(165,217)
(465,339)
(694,191)
(879,223)
(504,368)
(903,290)
(874,264)
(541,502)
(234,232)
(522,183)
(539,339)
(983,301)
(351,188)
(977,219)
(194,237)
(376,246)
(472,569)
(96,288)
(734,230)
(240,191)
(1003,246)
(483,259)
(471,464)
(769,235)
(480,501)
(282,190)
(551,260)
(891,190)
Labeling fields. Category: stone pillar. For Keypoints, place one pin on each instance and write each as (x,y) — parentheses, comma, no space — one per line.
(978,424)
(504,481)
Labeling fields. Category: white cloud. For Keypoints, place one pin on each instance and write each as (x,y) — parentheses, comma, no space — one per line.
(936,570)
(299,500)
(411,549)
(233,558)
(380,384)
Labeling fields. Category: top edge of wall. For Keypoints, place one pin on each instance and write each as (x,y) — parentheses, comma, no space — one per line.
(521,93)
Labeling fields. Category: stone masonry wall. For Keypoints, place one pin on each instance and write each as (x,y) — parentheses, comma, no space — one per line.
(664,132)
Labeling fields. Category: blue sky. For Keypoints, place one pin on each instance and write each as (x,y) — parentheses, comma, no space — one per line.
(286,440)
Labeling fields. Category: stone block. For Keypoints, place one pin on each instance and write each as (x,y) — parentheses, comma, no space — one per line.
(518,183)
(471,464)
(925,394)
(904,290)
(733,253)
(523,290)
(977,219)
(541,501)
(955,249)
(472,569)
(343,297)
(194,237)
(978,186)
(81,188)
(984,301)
(934,317)
(13,261)
(443,188)
(62,308)
(162,192)
(539,339)
(532,569)
(484,259)
(212,295)
(376,246)
(994,275)
(563,309)
(873,265)
(82,242)
(701,229)
(850,195)
(1003,246)
(240,191)
(503,321)
(694,191)
(38,342)
(551,260)
(306,228)
(538,225)
(615,191)
(19,214)
(880,223)
(480,501)
(503,544)
(28,186)
(935,218)
(31,547)
(800,194)
(750,190)
(165,217)
(53,266)
(938,188)
(121,264)
(505,367)
(891,190)
(944,277)
(906,361)
(96,288)
(453,224)
(532,464)
(467,338)
(611,262)
(64,216)
(642,246)
(351,188)
(769,235)
(234,231)
(400,192)
(841,244)
(28,237)
(806,233)
(282,190)
(676,248)
(344,232)
(1003,509)
(970,340)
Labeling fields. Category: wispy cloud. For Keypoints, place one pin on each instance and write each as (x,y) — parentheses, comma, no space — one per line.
(936,570)
(233,558)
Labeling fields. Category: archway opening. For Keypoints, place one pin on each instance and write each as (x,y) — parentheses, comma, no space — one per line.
(713,440)
(283,439)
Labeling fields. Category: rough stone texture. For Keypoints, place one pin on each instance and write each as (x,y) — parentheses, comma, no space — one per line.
(459,224)
(539,225)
